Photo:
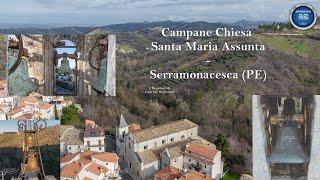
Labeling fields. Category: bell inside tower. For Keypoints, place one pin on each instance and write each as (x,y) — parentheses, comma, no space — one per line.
(288,133)
(65,61)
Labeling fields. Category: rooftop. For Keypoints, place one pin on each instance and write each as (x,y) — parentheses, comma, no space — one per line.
(202,150)
(162,130)
(168,173)
(106,157)
(15,111)
(68,157)
(71,170)
(29,99)
(93,131)
(133,127)
(194,175)
(45,106)
(96,169)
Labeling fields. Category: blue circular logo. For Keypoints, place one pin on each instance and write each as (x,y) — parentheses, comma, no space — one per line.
(303,16)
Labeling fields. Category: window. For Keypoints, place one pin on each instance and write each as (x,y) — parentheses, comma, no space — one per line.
(69,148)
(172,139)
(189,160)
(129,146)
(182,136)
(145,147)
(99,148)
(205,166)
(99,142)
(163,141)
(88,143)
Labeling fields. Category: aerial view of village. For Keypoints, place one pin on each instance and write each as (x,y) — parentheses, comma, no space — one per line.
(105,141)
(32,107)
(29,149)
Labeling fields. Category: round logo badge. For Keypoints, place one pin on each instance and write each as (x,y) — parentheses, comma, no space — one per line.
(303,16)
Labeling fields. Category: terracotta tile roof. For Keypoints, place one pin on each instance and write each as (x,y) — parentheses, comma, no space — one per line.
(168,173)
(202,150)
(133,127)
(25,116)
(175,152)
(85,157)
(15,111)
(29,99)
(93,131)
(68,157)
(162,130)
(70,170)
(90,122)
(45,106)
(106,157)
(96,169)
(147,156)
(194,175)
(4,105)
(87,178)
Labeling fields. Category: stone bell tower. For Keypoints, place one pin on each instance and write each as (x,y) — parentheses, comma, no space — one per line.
(31,166)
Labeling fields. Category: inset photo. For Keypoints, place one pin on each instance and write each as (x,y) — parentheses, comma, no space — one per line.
(286,135)
(33,107)
(63,65)
(29,149)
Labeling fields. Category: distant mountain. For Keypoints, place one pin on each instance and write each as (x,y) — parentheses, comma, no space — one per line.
(245,24)
(126,27)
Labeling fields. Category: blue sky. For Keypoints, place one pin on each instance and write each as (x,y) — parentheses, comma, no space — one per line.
(11,125)
(105,12)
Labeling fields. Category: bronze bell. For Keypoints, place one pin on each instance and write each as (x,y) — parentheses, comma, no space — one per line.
(65,66)
(20,83)
(288,147)
(32,163)
(99,83)
(29,140)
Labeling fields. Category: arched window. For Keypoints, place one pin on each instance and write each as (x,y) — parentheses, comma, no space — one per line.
(65,72)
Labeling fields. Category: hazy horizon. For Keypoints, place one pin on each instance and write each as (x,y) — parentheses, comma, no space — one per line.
(108,12)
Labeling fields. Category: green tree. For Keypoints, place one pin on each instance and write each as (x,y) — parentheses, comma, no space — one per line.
(70,116)
(56,116)
(222,144)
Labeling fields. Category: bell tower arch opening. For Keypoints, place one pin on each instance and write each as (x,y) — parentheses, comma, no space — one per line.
(65,68)
(286,124)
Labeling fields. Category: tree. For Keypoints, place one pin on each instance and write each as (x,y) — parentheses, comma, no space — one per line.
(222,144)
(56,116)
(70,116)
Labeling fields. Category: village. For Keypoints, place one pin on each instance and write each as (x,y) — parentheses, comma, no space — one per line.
(32,107)
(164,152)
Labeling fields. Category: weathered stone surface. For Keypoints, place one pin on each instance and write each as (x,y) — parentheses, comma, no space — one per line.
(110,86)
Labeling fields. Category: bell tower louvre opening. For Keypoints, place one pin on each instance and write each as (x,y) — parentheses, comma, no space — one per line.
(286,127)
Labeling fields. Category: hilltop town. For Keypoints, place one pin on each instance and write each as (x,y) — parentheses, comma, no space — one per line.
(31,107)
(173,149)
